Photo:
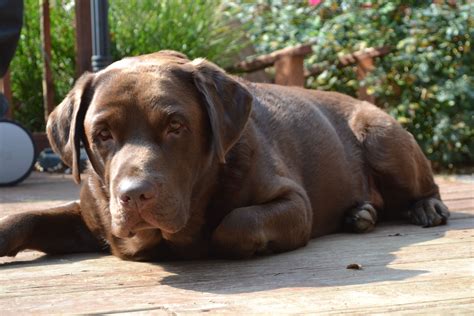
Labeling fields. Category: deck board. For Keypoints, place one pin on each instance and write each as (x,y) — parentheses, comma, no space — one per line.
(406,269)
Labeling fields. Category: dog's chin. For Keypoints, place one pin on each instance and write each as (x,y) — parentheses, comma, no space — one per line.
(143,227)
(169,225)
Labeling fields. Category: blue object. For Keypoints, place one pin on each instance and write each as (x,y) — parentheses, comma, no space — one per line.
(49,161)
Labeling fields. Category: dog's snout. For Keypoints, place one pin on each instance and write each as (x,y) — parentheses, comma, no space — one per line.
(136,193)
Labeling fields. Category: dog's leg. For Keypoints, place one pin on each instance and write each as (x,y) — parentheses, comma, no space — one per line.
(280,225)
(363,217)
(54,231)
(404,176)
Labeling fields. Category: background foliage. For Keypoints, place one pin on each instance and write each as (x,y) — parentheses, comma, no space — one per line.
(26,66)
(198,28)
(426,82)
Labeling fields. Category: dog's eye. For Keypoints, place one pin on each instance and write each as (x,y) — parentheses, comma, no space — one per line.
(105,135)
(175,127)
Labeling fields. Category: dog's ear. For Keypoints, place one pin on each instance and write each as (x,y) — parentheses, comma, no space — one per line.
(228,104)
(65,125)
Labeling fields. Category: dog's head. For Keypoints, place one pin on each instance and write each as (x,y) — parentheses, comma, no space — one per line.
(152,127)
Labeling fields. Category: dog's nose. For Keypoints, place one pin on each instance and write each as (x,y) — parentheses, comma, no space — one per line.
(136,193)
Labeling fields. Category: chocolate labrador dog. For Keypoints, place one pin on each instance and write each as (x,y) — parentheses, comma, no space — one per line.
(187,161)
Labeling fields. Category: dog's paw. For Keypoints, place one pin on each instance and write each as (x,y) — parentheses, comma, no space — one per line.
(11,237)
(361,219)
(429,212)
(6,248)
(238,236)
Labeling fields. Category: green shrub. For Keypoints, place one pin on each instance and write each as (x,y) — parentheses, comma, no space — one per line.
(426,82)
(196,28)
(26,66)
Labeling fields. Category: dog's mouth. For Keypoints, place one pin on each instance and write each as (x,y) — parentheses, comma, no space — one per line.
(147,221)
(166,224)
(122,231)
(142,226)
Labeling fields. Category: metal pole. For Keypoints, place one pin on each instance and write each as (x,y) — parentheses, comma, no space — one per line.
(100,35)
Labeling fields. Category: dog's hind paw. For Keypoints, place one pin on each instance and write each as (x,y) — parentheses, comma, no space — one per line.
(429,212)
(361,219)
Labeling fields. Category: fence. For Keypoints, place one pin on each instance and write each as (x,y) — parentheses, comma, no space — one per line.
(290,69)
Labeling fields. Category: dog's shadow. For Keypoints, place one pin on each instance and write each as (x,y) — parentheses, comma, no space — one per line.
(383,256)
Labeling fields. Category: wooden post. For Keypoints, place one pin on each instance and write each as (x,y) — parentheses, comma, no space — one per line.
(83,36)
(264,61)
(48,85)
(5,88)
(365,64)
(289,70)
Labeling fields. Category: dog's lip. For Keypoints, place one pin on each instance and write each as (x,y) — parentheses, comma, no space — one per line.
(166,226)
(164,223)
(138,228)
(170,223)
(142,225)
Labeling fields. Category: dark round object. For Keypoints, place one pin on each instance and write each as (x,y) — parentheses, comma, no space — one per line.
(17,153)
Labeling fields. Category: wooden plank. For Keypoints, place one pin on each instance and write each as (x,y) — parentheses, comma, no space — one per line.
(48,84)
(350,59)
(462,187)
(467,204)
(458,195)
(82,22)
(441,307)
(135,289)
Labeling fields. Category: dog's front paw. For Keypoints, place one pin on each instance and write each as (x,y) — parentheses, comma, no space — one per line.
(6,247)
(238,236)
(12,236)
(429,212)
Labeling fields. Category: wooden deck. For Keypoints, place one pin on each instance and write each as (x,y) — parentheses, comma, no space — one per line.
(406,269)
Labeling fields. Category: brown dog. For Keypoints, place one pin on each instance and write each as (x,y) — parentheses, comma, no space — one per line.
(188,161)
